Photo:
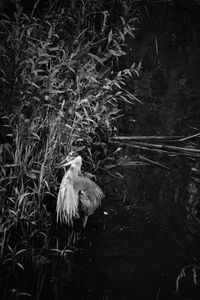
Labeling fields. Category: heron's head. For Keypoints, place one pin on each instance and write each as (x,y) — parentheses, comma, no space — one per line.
(74,162)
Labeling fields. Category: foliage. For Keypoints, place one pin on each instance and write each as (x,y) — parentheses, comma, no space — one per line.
(63,61)
(61,85)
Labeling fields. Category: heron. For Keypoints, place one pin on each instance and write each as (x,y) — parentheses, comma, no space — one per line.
(78,195)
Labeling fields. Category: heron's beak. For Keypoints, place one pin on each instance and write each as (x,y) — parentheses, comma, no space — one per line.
(68,163)
(77,161)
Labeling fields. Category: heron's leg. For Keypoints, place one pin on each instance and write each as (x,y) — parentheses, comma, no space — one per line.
(84,220)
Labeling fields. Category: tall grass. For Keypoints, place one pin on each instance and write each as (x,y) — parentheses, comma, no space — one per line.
(60,86)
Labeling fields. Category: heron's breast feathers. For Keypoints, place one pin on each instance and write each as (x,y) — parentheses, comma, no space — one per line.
(67,201)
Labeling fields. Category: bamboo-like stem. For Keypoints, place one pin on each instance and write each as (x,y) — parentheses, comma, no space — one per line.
(154,162)
(189,137)
(130,138)
(161,148)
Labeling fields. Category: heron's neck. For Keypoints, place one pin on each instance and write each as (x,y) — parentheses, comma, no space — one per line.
(74,172)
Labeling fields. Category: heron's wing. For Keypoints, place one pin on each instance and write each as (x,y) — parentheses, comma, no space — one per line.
(91,190)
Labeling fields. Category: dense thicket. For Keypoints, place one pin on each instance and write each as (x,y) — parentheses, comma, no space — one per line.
(61,83)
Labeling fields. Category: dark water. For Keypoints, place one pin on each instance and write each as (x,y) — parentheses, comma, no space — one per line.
(135,246)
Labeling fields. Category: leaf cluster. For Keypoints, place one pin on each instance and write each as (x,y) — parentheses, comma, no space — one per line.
(61,85)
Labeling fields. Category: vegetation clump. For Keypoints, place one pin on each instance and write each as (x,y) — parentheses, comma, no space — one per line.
(61,85)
